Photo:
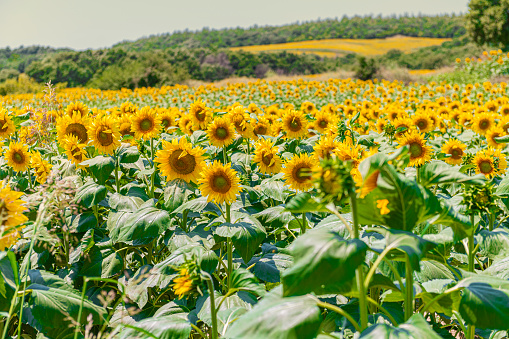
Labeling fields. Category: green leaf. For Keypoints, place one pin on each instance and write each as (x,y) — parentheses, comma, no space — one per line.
(119,202)
(415,328)
(176,193)
(409,203)
(244,280)
(237,300)
(295,317)
(485,302)
(460,224)
(82,222)
(141,227)
(101,167)
(50,307)
(325,263)
(173,326)
(246,236)
(270,266)
(438,172)
(206,259)
(90,194)
(304,203)
(446,304)
(104,263)
(8,279)
(86,243)
(128,154)
(493,244)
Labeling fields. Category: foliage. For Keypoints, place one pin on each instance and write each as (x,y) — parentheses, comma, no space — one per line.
(487,22)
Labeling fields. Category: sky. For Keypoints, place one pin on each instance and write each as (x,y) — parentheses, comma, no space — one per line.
(84,24)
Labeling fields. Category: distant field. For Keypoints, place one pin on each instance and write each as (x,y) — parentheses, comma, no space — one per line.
(338,47)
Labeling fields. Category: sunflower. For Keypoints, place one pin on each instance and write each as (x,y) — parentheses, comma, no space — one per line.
(200,114)
(146,124)
(75,150)
(124,126)
(298,171)
(323,120)
(167,118)
(504,110)
(6,124)
(17,156)
(11,216)
(41,166)
(307,106)
(219,183)
(104,135)
(324,147)
(423,122)
(186,124)
(495,132)
(241,120)
(420,153)
(295,124)
(403,123)
(482,122)
(183,284)
(456,151)
(76,108)
(221,132)
(267,157)
(262,127)
(490,162)
(76,125)
(179,160)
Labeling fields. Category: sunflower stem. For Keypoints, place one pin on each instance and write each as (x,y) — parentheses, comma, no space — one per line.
(409,289)
(304,224)
(210,285)
(360,270)
(225,157)
(152,179)
(471,254)
(117,182)
(229,249)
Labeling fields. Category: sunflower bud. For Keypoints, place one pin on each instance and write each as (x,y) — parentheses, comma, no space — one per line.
(188,281)
(480,199)
(333,180)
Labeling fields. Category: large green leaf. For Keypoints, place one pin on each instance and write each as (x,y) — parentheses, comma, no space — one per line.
(409,202)
(415,328)
(243,280)
(141,227)
(176,193)
(460,224)
(104,263)
(101,167)
(206,259)
(303,203)
(246,235)
(128,154)
(493,244)
(288,318)
(8,279)
(50,306)
(174,326)
(438,172)
(270,266)
(485,302)
(324,263)
(90,194)
(445,304)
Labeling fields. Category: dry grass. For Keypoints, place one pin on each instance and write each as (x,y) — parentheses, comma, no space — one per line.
(338,47)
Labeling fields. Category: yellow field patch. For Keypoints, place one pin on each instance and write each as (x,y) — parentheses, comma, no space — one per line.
(338,47)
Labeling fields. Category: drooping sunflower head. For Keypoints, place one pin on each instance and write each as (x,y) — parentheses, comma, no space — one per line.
(104,134)
(298,172)
(490,162)
(323,120)
(75,125)
(455,149)
(200,114)
(17,156)
(295,124)
(420,153)
(404,124)
(6,124)
(242,121)
(128,108)
(74,149)
(180,160)
(221,132)
(267,157)
(146,124)
(186,124)
(219,183)
(77,108)
(167,118)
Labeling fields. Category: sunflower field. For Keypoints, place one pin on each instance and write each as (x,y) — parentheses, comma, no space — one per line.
(272,209)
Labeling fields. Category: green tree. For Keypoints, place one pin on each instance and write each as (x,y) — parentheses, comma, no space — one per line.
(487,22)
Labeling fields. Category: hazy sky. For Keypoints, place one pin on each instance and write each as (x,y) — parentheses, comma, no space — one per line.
(82,24)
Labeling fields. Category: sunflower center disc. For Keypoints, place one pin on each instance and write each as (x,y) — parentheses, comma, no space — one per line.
(322,123)
(415,150)
(485,167)
(295,125)
(18,158)
(79,131)
(484,124)
(221,132)
(302,174)
(200,115)
(146,125)
(182,165)
(165,122)
(3,125)
(105,138)
(266,159)
(260,130)
(456,153)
